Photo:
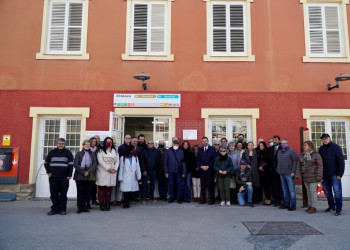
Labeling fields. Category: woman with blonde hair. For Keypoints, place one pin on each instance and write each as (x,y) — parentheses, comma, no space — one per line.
(310,170)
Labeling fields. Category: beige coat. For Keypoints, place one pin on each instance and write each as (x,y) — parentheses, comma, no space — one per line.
(109,160)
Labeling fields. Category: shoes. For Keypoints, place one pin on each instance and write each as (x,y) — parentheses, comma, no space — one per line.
(88,206)
(171,201)
(85,210)
(282,207)
(108,207)
(292,208)
(154,200)
(79,211)
(308,208)
(312,210)
(222,203)
(228,204)
(179,202)
(202,202)
(95,203)
(113,203)
(143,201)
(210,202)
(119,203)
(337,213)
(51,212)
(250,204)
(329,209)
(277,204)
(63,212)
(102,207)
(165,199)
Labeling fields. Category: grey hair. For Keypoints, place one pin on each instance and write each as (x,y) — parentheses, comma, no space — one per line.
(61,140)
(232,143)
(222,148)
(285,140)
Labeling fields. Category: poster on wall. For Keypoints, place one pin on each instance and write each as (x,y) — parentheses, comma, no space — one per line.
(121,100)
(190,134)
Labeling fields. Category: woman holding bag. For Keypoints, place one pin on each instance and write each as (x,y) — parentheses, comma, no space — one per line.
(129,174)
(85,165)
(310,169)
(106,174)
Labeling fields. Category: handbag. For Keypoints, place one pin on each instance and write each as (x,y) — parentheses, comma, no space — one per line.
(321,193)
(233,184)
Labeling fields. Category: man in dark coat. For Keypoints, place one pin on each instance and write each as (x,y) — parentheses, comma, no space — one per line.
(162,181)
(205,161)
(59,168)
(277,194)
(333,170)
(150,162)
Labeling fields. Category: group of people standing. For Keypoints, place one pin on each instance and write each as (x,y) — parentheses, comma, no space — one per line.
(241,171)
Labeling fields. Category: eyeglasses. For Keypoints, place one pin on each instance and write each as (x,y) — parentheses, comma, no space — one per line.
(150,143)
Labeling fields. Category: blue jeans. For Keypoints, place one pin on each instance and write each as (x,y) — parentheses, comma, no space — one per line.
(162,185)
(288,186)
(241,195)
(179,184)
(187,188)
(331,182)
(152,175)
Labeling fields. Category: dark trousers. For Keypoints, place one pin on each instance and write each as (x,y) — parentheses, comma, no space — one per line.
(151,176)
(58,190)
(162,185)
(179,184)
(267,192)
(104,194)
(127,198)
(277,192)
(207,181)
(82,193)
(92,193)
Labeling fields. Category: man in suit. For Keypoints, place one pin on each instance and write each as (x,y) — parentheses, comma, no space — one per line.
(205,161)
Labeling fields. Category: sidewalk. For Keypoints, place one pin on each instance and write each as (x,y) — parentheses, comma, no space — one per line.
(25,225)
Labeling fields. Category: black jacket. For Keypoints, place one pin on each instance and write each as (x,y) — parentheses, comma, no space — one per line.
(253,162)
(150,159)
(190,160)
(333,159)
(238,179)
(79,172)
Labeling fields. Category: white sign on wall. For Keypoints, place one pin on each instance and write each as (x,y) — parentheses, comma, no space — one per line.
(189,134)
(147,100)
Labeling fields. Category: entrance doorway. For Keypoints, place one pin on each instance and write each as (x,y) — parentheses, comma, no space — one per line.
(155,128)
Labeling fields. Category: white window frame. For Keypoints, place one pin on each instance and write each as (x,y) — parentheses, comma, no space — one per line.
(225,56)
(148,56)
(45,36)
(343,27)
(229,121)
(228,29)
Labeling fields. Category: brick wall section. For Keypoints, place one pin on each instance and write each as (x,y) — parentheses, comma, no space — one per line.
(280,113)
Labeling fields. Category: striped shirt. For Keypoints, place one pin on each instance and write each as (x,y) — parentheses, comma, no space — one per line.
(59,163)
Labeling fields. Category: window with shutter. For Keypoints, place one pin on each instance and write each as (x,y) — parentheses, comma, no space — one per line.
(324,30)
(149,29)
(228,29)
(65,27)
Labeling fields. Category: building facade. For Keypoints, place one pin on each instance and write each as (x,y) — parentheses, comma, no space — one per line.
(238,66)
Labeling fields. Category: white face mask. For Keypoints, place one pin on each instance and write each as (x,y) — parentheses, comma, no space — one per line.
(175,147)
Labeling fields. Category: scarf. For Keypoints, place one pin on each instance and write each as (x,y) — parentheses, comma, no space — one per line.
(307,158)
(222,157)
(93,149)
(86,161)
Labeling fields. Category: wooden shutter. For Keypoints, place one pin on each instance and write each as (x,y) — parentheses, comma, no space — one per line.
(57,27)
(158,26)
(219,28)
(332,27)
(324,30)
(75,23)
(237,28)
(140,21)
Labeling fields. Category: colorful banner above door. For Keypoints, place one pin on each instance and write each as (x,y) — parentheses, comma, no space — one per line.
(147,100)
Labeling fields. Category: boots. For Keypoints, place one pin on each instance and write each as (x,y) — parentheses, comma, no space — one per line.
(312,210)
(308,208)
(108,207)
(102,207)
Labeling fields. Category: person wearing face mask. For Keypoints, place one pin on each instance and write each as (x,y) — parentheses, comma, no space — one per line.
(175,170)
(85,164)
(106,174)
(162,181)
(287,167)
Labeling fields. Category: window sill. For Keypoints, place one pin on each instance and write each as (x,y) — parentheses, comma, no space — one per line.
(327,59)
(126,57)
(209,58)
(41,56)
